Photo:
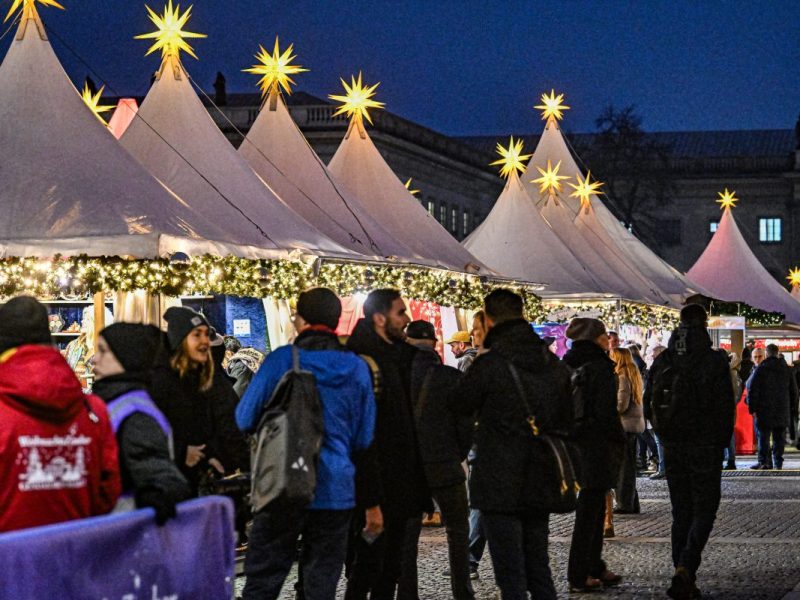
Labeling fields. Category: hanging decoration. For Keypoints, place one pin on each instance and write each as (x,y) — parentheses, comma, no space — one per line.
(550,181)
(646,316)
(276,69)
(93,102)
(585,189)
(16,4)
(408,187)
(552,106)
(357,100)
(169,36)
(511,158)
(727,199)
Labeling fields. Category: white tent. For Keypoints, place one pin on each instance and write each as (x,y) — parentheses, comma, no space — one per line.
(363,171)
(277,150)
(730,271)
(176,139)
(67,185)
(123,116)
(515,240)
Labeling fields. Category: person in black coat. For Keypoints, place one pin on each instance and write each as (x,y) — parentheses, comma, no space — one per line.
(122,366)
(602,441)
(500,485)
(390,473)
(770,393)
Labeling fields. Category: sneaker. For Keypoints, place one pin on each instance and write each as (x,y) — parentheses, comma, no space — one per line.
(658,475)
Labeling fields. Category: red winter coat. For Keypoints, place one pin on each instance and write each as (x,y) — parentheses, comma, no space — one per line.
(58,454)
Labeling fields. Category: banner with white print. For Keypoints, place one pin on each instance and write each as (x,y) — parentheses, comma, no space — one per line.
(125,557)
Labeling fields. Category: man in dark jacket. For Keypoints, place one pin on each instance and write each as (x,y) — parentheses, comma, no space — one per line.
(499,485)
(444,442)
(689,399)
(390,474)
(601,437)
(770,392)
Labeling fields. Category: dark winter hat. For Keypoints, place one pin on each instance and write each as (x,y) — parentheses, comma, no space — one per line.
(694,315)
(584,328)
(24,321)
(180,322)
(133,344)
(421,330)
(320,306)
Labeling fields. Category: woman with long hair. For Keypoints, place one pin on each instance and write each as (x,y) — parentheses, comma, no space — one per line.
(631,414)
(478,330)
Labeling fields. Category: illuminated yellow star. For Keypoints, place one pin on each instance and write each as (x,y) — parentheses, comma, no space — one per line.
(550,181)
(93,101)
(585,188)
(276,69)
(408,187)
(727,199)
(169,36)
(794,277)
(552,106)
(23,3)
(512,158)
(357,99)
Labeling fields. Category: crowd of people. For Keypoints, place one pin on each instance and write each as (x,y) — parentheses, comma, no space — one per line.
(404,435)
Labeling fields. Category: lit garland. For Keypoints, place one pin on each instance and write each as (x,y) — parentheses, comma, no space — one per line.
(628,313)
(754,317)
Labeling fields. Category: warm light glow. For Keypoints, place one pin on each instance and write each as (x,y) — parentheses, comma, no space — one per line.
(512,158)
(552,106)
(727,199)
(275,69)
(169,36)
(93,101)
(23,3)
(585,188)
(357,99)
(794,276)
(550,181)
(408,187)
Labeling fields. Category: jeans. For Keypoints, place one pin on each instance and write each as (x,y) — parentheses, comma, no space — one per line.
(730,451)
(477,538)
(694,475)
(660,448)
(646,445)
(627,496)
(586,549)
(518,548)
(767,455)
(273,546)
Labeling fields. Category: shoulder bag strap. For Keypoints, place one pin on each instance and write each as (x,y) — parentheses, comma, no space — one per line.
(530,412)
(295,359)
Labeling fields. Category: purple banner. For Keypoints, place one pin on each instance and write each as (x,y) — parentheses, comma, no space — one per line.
(124,557)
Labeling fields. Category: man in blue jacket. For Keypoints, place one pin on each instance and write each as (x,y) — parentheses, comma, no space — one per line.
(345,389)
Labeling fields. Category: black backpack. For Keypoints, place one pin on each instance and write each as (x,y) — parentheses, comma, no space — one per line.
(286,446)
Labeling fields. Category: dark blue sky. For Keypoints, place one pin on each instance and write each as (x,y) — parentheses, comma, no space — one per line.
(477,67)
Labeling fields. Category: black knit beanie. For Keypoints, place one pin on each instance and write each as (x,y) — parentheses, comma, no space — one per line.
(180,322)
(133,344)
(24,321)
(320,306)
(421,330)
(694,315)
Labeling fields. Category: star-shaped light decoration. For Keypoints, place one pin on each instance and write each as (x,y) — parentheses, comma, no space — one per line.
(794,277)
(276,69)
(727,199)
(357,99)
(585,188)
(24,3)
(408,187)
(552,106)
(93,101)
(550,181)
(512,158)
(169,36)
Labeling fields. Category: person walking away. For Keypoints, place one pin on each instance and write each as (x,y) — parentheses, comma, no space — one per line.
(660,473)
(58,455)
(461,346)
(444,441)
(689,398)
(182,375)
(631,413)
(602,441)
(391,472)
(769,393)
(122,367)
(348,406)
(516,529)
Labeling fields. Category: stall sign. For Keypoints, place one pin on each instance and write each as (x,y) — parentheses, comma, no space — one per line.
(241,327)
(725,322)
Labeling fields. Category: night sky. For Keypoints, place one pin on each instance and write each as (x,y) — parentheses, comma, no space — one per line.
(477,67)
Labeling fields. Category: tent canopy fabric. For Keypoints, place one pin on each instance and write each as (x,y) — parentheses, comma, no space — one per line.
(730,271)
(176,139)
(123,116)
(278,152)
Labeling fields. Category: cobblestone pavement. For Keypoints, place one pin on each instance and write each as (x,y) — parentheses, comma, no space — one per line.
(754,551)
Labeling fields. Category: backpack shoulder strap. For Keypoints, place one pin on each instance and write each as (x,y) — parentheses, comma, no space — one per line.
(375,372)
(295,359)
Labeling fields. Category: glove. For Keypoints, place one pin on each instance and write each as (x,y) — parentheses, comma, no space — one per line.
(156,499)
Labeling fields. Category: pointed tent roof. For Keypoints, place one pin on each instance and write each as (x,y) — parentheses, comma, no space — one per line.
(123,116)
(176,139)
(277,150)
(68,186)
(361,168)
(730,271)
(515,240)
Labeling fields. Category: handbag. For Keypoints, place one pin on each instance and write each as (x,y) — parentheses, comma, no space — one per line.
(552,480)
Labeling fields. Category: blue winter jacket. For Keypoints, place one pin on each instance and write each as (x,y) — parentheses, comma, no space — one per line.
(345,388)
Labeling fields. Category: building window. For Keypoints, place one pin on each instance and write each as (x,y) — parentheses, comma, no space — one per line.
(713,226)
(443,214)
(770,230)
(454,220)
(465,223)
(668,232)
(431,204)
